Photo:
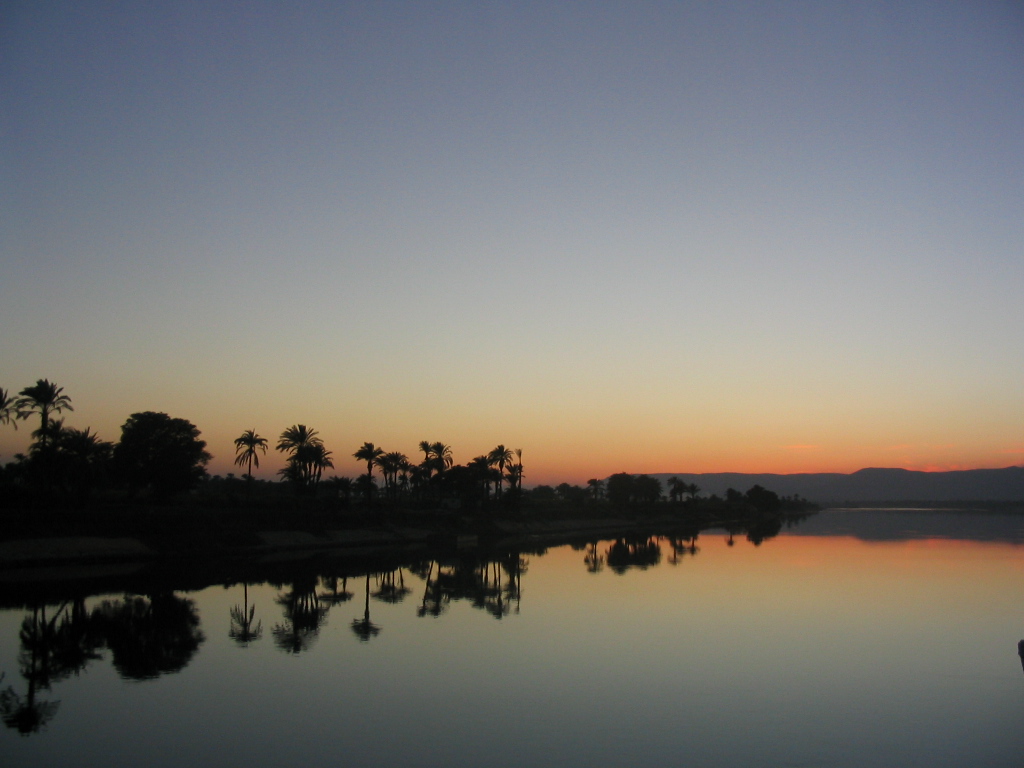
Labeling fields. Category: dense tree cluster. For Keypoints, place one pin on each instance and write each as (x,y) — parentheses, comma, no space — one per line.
(435,478)
(157,454)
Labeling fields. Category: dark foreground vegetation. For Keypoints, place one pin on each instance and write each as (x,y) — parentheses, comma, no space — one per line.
(153,485)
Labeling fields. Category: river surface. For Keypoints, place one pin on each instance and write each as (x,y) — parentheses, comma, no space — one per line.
(892,643)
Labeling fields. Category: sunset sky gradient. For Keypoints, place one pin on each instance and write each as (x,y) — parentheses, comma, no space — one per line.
(647,237)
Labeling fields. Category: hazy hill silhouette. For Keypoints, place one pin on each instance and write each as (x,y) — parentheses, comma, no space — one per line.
(873,485)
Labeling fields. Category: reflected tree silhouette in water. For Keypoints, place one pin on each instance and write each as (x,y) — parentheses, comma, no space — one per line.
(52,648)
(435,599)
(682,546)
(513,566)
(493,585)
(334,595)
(760,530)
(243,628)
(364,628)
(303,617)
(390,589)
(623,554)
(593,560)
(150,636)
(147,637)
(26,715)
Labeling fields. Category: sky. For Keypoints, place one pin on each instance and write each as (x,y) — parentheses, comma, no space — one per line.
(644,237)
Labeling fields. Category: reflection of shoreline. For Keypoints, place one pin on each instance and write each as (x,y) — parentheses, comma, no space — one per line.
(906,524)
(55,582)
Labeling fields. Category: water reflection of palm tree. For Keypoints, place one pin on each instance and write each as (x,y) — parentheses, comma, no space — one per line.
(593,559)
(334,596)
(242,629)
(26,715)
(389,590)
(49,652)
(364,628)
(303,614)
(435,599)
(513,566)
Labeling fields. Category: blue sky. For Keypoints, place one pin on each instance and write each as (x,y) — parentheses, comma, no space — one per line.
(645,237)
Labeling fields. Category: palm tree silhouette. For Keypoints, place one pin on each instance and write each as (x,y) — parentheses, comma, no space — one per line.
(8,412)
(297,436)
(370,454)
(313,459)
(307,457)
(391,464)
(676,488)
(247,448)
(500,457)
(44,398)
(442,456)
(427,449)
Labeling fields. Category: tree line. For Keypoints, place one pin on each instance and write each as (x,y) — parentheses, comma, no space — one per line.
(162,457)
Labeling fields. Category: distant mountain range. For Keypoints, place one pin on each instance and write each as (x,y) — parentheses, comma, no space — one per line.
(872,485)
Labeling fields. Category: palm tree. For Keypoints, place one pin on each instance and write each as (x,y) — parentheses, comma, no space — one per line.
(427,449)
(81,459)
(318,459)
(390,465)
(442,456)
(44,398)
(297,436)
(369,453)
(676,488)
(247,449)
(342,487)
(596,488)
(500,457)
(307,456)
(306,465)
(8,413)
(514,477)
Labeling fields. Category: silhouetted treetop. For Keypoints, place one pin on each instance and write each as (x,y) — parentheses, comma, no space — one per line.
(160,453)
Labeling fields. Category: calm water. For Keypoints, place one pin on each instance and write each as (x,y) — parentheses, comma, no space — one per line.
(824,646)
